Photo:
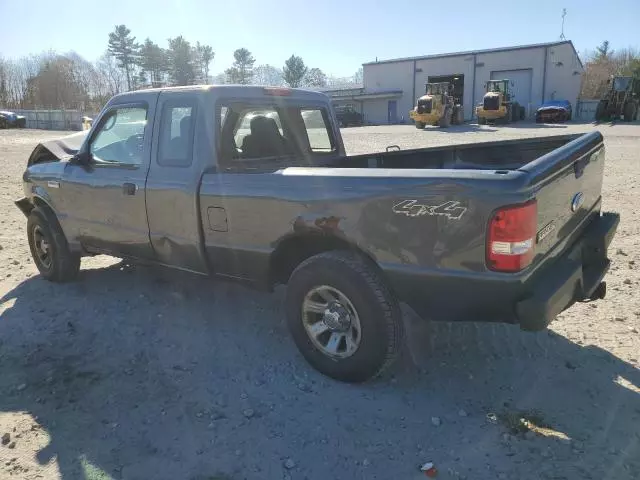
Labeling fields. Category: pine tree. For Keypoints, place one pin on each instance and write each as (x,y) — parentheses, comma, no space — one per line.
(294,71)
(242,69)
(125,49)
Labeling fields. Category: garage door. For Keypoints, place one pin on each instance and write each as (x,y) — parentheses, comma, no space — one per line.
(521,83)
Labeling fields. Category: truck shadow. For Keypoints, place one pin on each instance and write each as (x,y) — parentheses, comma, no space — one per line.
(127,374)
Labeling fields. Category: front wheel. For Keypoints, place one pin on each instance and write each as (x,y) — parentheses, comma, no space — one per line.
(343,317)
(420,125)
(49,247)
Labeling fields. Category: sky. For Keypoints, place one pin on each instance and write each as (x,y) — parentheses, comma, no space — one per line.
(336,36)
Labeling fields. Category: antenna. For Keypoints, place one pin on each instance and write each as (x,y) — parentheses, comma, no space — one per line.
(564,14)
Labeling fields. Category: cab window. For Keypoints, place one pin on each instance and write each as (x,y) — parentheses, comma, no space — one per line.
(176,134)
(286,135)
(119,138)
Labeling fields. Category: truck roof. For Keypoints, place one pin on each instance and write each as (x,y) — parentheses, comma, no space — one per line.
(239,90)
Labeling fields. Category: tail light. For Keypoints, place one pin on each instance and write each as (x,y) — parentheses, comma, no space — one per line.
(511,237)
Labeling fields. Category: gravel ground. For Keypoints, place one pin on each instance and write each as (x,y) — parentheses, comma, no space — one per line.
(138,373)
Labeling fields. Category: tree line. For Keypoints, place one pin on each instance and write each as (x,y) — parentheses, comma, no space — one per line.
(52,80)
(603,62)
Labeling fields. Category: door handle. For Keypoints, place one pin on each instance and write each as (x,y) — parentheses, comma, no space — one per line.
(129,188)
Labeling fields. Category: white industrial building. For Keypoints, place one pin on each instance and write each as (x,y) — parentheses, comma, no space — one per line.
(539,73)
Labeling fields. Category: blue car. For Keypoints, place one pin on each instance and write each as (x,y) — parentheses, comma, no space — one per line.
(554,111)
(12,120)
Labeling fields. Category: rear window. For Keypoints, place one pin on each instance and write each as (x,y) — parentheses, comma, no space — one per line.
(250,132)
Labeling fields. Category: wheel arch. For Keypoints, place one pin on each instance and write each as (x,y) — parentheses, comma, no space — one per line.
(294,249)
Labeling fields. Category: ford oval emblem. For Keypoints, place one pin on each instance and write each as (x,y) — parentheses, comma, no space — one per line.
(577,201)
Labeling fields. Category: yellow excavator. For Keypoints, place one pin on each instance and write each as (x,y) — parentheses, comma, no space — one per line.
(437,107)
(498,104)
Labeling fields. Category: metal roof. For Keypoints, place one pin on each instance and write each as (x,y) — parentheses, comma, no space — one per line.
(473,52)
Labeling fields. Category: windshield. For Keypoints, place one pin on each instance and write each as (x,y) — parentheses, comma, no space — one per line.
(436,88)
(495,87)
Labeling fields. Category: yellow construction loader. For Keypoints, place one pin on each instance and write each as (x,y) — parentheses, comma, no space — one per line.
(498,104)
(437,107)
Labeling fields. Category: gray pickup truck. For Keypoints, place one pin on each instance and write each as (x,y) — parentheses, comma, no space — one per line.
(253,184)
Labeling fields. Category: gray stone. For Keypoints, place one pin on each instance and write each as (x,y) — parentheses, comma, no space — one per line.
(435,421)
(289,464)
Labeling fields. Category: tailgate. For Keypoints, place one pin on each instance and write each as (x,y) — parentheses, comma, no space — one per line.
(569,182)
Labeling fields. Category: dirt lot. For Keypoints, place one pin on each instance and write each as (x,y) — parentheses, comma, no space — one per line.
(138,374)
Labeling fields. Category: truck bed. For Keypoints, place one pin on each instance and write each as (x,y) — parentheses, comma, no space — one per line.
(500,155)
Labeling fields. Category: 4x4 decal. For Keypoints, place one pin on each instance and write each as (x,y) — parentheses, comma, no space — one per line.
(411,208)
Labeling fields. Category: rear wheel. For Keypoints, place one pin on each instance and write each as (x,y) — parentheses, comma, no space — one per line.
(508,114)
(343,317)
(458,118)
(482,121)
(49,247)
(629,112)
(445,121)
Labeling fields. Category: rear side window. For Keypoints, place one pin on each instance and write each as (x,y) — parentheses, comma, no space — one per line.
(176,134)
(317,130)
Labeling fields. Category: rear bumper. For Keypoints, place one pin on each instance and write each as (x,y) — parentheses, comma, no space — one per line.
(573,277)
(532,301)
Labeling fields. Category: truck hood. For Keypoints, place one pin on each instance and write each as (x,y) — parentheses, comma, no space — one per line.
(58,149)
(66,146)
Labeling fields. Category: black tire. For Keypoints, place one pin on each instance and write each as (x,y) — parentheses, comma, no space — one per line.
(445,121)
(458,115)
(377,311)
(482,121)
(59,264)
(420,125)
(522,112)
(629,112)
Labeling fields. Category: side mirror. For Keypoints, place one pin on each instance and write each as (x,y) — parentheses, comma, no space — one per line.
(81,158)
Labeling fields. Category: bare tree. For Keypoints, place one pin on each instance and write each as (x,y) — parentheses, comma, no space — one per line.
(604,62)
(315,78)
(268,75)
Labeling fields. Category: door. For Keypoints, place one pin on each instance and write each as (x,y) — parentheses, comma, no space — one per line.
(104,197)
(521,88)
(392,113)
(172,184)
